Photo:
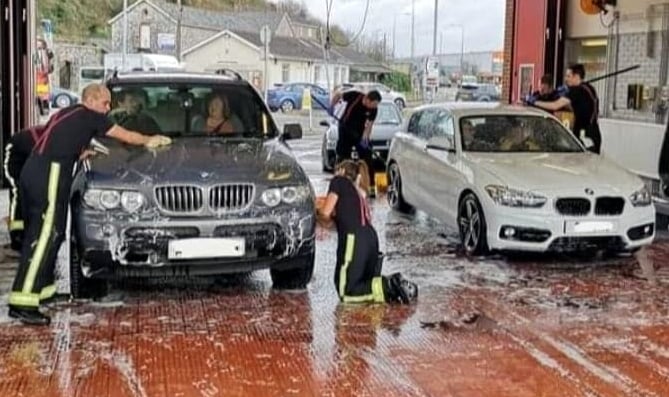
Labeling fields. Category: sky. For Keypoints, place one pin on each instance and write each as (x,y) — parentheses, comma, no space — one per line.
(483,22)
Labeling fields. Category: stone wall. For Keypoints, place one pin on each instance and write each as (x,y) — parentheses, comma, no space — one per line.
(68,58)
(158,22)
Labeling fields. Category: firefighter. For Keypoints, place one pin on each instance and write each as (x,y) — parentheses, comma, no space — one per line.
(17,152)
(546,91)
(44,188)
(358,269)
(582,98)
(355,127)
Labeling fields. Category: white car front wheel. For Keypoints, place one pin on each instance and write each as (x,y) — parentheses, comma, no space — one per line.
(472,226)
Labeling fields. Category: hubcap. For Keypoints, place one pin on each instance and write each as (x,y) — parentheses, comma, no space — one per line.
(470,225)
(394,188)
(287,106)
(63,101)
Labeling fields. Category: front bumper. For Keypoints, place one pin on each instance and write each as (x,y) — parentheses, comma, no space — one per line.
(112,241)
(538,232)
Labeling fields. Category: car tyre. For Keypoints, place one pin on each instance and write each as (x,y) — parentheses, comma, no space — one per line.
(297,276)
(82,287)
(400,103)
(63,101)
(394,192)
(287,106)
(472,226)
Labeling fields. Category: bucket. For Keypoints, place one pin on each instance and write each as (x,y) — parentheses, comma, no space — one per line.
(381,182)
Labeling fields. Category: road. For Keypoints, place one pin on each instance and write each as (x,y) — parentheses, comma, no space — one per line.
(526,326)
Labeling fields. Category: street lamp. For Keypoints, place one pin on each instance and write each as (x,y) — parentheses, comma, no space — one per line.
(462,45)
(395,29)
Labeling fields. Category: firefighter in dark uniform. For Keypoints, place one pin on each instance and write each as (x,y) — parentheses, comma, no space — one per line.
(358,269)
(17,152)
(582,98)
(44,188)
(355,128)
(546,92)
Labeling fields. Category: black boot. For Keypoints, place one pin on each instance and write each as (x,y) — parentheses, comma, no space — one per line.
(29,316)
(404,291)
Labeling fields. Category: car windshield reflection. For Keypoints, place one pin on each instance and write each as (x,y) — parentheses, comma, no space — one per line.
(506,133)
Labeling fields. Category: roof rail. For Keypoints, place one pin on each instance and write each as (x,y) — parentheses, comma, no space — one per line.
(229,72)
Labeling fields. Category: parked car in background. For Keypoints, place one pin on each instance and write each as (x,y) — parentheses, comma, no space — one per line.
(288,97)
(515,179)
(387,123)
(386,93)
(61,98)
(210,203)
(478,93)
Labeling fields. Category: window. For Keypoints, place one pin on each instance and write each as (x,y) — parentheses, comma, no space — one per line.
(512,133)
(285,72)
(335,76)
(165,108)
(144,36)
(444,125)
(426,124)
(414,121)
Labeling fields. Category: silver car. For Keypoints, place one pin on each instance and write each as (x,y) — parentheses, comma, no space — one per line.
(387,123)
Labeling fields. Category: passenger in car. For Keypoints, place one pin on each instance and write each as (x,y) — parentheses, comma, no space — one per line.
(358,269)
(130,113)
(516,140)
(219,119)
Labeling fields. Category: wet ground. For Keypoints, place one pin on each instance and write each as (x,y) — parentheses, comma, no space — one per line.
(532,326)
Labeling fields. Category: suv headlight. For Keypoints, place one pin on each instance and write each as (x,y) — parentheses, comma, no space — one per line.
(108,199)
(503,195)
(641,198)
(289,195)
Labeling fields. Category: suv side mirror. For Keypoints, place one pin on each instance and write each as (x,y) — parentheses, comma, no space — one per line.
(292,131)
(441,143)
(324,123)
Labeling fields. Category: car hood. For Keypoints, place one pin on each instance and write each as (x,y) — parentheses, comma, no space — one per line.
(554,171)
(198,160)
(384,132)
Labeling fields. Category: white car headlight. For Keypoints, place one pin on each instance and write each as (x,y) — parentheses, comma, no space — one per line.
(108,199)
(132,201)
(641,198)
(271,197)
(288,195)
(503,195)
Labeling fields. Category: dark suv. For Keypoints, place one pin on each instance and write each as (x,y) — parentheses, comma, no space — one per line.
(210,203)
(478,93)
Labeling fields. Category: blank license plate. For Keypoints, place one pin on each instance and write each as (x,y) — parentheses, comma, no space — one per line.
(588,227)
(201,248)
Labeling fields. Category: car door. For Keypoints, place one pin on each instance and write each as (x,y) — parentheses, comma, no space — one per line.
(319,97)
(441,181)
(407,150)
(419,139)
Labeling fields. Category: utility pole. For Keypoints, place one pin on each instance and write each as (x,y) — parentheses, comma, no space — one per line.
(178,38)
(125,31)
(385,46)
(394,33)
(413,28)
(434,36)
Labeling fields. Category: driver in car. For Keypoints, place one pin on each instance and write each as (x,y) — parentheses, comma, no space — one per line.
(517,139)
(130,113)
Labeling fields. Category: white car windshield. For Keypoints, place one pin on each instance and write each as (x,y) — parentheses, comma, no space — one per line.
(387,114)
(516,133)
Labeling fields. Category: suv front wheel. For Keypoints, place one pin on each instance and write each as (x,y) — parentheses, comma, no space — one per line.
(298,273)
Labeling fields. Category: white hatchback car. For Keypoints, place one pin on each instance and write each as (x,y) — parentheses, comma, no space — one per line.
(514,179)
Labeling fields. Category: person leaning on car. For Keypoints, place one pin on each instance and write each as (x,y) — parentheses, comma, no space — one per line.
(583,100)
(130,112)
(45,184)
(355,127)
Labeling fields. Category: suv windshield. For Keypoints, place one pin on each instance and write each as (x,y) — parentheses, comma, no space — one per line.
(387,114)
(507,133)
(191,110)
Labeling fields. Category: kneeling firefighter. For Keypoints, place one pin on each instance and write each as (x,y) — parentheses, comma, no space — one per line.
(17,152)
(358,270)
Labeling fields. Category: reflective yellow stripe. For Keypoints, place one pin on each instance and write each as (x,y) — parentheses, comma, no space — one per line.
(15,225)
(24,299)
(47,292)
(376,295)
(348,257)
(47,229)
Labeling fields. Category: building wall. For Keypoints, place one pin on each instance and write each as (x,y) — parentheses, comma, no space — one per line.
(143,13)
(508,50)
(226,51)
(68,59)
